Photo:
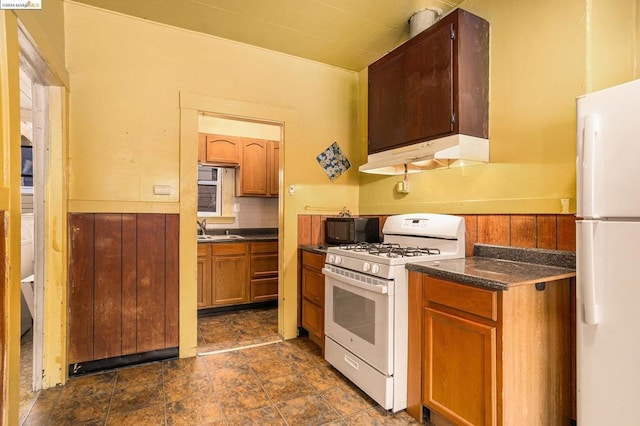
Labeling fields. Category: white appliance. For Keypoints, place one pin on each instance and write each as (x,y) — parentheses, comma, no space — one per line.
(366,301)
(607,256)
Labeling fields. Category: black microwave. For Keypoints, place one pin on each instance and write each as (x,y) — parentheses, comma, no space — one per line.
(350,230)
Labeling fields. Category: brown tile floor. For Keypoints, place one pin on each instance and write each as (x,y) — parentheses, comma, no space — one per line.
(285,383)
(237,329)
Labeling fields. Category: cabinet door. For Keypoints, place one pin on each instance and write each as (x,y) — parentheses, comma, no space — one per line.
(313,261)
(253,168)
(264,289)
(459,376)
(313,319)
(429,81)
(274,168)
(204,283)
(222,149)
(386,103)
(264,265)
(313,286)
(230,280)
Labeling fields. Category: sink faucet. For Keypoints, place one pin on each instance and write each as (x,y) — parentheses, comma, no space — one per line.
(202,226)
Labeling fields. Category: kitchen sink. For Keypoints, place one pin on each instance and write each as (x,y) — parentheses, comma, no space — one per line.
(219,237)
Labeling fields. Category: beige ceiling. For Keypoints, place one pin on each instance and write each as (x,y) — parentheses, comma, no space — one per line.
(349,34)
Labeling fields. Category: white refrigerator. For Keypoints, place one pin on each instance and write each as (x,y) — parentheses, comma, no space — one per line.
(608,256)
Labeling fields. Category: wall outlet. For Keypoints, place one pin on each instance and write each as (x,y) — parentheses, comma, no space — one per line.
(564,204)
(162,189)
(236,207)
(402,187)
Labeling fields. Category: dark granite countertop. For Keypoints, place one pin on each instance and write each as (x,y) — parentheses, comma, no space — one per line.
(248,235)
(499,267)
(314,249)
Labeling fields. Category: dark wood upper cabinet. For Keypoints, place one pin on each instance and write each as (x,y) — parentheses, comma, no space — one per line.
(434,85)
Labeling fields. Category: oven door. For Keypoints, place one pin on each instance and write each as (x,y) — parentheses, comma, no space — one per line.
(359,316)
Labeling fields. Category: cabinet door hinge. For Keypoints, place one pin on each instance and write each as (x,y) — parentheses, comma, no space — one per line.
(453,118)
(453,33)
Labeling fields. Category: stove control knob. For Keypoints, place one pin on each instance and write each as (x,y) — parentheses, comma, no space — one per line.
(332,258)
(338,260)
(366,266)
(375,269)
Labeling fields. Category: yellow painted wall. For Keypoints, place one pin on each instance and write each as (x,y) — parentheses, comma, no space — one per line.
(538,66)
(46,29)
(129,131)
(612,43)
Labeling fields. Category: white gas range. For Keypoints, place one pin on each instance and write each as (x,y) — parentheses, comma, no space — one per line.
(366,301)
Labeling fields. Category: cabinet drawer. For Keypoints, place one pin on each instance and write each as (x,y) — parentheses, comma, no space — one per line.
(313,318)
(264,247)
(203,249)
(264,289)
(313,286)
(476,301)
(264,265)
(229,248)
(312,260)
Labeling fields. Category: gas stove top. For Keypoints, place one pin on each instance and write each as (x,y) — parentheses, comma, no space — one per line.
(407,238)
(389,249)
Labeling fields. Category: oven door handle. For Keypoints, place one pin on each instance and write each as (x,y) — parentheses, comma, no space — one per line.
(374,288)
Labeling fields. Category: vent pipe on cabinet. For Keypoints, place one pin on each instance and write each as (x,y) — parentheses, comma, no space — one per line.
(422,19)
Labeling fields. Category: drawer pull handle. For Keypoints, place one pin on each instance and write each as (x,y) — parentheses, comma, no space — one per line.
(351,362)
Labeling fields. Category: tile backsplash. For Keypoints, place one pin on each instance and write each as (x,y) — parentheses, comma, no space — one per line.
(547,231)
(254,212)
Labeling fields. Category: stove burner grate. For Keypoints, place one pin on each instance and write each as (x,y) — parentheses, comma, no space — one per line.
(390,249)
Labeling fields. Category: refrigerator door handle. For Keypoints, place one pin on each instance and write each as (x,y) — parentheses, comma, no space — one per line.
(586,166)
(587,275)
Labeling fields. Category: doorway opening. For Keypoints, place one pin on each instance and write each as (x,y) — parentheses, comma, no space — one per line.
(41,115)
(33,129)
(238,281)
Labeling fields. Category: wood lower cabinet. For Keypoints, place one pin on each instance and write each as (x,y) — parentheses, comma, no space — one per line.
(264,271)
(237,273)
(204,279)
(489,357)
(312,301)
(457,351)
(229,274)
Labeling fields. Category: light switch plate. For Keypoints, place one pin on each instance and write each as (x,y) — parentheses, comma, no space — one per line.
(162,189)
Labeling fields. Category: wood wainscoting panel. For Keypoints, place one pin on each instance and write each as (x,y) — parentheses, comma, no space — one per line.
(523,231)
(129,284)
(107,286)
(151,282)
(544,231)
(471,233)
(81,287)
(494,229)
(123,284)
(172,281)
(567,232)
(547,233)
(304,229)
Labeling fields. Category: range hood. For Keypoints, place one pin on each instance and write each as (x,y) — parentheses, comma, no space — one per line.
(427,155)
